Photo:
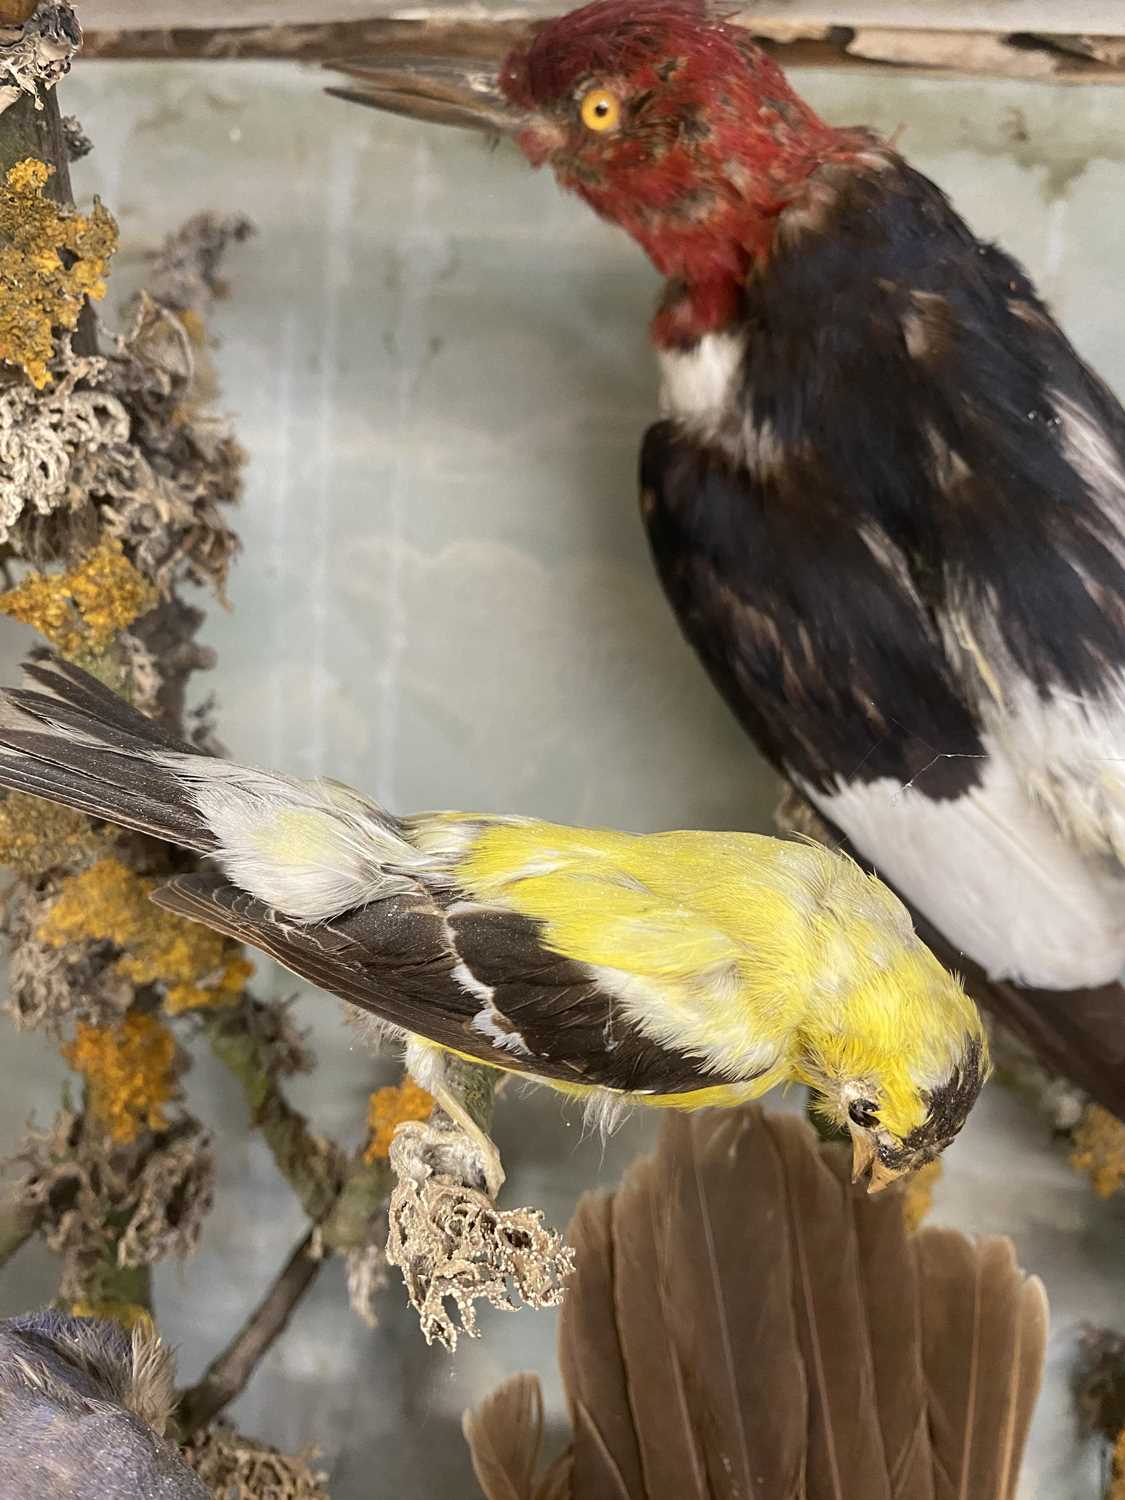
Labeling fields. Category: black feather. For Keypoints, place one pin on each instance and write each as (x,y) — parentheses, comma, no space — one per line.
(919,473)
(71,740)
(398,959)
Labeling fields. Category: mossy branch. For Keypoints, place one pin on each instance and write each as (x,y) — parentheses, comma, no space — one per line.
(242,1040)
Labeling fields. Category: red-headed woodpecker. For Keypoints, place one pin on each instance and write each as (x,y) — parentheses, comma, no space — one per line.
(886,498)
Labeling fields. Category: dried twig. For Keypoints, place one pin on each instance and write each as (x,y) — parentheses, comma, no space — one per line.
(229,1373)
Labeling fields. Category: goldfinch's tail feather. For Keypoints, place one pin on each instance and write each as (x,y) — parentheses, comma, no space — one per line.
(744,1321)
(67,738)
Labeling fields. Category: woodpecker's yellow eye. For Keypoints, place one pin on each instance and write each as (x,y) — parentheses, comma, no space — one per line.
(601,110)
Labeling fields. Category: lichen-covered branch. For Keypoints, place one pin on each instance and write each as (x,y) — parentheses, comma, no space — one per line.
(452,1243)
(257,1044)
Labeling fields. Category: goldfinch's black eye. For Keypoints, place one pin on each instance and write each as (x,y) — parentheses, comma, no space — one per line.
(862,1112)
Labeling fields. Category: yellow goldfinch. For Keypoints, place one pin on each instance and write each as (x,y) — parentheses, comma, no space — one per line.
(674,969)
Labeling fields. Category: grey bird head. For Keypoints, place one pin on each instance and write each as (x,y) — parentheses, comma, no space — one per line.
(83,1404)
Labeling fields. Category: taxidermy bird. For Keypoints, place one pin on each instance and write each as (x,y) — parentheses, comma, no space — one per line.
(743,1326)
(886,498)
(83,1408)
(676,969)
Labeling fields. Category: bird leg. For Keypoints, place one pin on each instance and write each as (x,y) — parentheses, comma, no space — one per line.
(463,1091)
(492,1169)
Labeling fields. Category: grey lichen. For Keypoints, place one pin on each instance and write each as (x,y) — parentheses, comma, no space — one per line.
(239,1468)
(450,1241)
(105,1210)
(126,445)
(34,55)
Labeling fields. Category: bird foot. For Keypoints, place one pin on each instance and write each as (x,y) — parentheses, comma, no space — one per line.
(487,1156)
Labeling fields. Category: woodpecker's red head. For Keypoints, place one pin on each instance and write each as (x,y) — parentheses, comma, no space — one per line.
(667,120)
(670,123)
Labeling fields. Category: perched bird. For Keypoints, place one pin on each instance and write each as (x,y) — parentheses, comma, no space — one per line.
(675,969)
(886,498)
(742,1324)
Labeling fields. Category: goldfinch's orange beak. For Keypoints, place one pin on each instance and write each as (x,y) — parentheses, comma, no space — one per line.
(863,1154)
(866,1163)
(882,1176)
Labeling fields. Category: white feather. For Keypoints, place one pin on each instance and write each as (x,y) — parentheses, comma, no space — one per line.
(700,385)
(310,849)
(1070,754)
(1089,449)
(993,872)
(706,1021)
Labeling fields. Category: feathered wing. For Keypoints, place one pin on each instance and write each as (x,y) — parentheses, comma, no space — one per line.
(744,1325)
(606,1452)
(888,1280)
(845,1455)
(331,885)
(984,1333)
(505,1434)
(475,980)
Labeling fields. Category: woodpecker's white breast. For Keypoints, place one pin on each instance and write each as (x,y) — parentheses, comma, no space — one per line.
(992,871)
(701,386)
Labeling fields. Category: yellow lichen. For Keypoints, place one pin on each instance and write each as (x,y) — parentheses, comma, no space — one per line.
(1099,1150)
(129,1314)
(225,990)
(128,1071)
(110,903)
(387,1110)
(918,1195)
(51,260)
(82,610)
(35,836)
(1117,1482)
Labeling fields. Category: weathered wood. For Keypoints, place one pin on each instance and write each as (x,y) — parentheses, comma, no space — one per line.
(27,131)
(1093,16)
(1059,57)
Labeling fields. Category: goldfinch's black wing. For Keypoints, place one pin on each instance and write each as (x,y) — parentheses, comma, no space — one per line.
(900,552)
(471,978)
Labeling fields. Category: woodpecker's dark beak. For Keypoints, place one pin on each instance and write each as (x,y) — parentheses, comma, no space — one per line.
(451,79)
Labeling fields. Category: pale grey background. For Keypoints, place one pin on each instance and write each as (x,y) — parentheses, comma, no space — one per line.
(439,368)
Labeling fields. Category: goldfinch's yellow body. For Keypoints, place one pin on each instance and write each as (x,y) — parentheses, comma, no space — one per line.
(675,969)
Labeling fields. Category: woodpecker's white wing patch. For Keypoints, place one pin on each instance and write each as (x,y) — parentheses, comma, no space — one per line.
(309,849)
(993,872)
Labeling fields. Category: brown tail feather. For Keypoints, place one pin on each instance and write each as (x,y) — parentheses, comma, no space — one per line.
(888,1279)
(765,1274)
(983,1341)
(504,1434)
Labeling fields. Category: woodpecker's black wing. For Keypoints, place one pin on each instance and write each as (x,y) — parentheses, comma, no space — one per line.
(471,978)
(898,545)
